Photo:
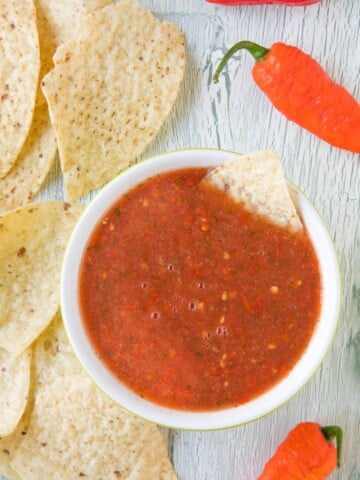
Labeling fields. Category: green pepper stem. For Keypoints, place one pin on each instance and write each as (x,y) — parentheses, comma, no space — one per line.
(334,432)
(257,51)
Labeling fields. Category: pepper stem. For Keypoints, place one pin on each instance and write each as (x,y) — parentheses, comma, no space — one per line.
(257,51)
(334,432)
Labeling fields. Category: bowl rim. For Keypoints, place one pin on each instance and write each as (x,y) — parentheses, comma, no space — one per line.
(183,419)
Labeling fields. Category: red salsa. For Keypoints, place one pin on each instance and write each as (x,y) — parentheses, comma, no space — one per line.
(192,301)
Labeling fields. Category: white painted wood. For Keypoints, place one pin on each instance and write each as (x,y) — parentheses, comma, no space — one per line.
(235,115)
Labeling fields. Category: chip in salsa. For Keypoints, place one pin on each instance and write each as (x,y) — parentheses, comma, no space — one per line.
(192,300)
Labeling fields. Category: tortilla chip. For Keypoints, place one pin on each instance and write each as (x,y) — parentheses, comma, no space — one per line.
(14,388)
(5,456)
(110,92)
(25,178)
(19,73)
(32,244)
(10,443)
(77,431)
(257,181)
(57,22)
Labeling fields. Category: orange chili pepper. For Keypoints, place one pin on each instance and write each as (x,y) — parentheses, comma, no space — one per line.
(307,453)
(299,88)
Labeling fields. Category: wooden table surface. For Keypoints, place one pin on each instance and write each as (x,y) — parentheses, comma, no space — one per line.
(236,115)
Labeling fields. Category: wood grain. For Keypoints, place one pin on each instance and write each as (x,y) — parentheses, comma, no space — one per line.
(235,115)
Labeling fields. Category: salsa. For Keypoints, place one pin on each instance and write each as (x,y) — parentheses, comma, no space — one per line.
(192,301)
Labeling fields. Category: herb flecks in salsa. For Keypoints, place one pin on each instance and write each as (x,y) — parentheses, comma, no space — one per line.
(193,302)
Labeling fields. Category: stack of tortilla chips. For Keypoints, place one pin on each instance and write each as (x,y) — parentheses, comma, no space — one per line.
(110,74)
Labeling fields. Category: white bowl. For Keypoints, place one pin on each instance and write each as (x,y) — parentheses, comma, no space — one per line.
(273,398)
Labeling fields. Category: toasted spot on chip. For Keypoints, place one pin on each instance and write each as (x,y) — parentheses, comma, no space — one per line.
(33,240)
(77,431)
(257,181)
(19,73)
(110,92)
(57,22)
(14,388)
(28,173)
